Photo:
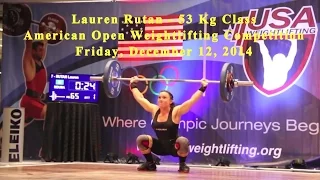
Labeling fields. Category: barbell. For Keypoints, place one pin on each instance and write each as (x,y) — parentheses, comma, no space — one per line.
(112,77)
(17,19)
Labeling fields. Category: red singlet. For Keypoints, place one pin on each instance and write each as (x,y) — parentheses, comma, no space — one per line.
(31,100)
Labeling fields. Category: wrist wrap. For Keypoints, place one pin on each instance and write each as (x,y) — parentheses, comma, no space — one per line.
(203,89)
(133,85)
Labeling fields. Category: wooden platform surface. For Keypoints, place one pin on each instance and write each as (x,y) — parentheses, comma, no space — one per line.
(124,172)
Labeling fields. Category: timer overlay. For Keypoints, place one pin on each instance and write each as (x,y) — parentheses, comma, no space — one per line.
(73,88)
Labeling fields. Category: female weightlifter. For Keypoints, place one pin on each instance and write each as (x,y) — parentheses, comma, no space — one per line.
(166,117)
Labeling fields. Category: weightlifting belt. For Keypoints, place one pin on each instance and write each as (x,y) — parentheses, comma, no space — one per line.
(33,94)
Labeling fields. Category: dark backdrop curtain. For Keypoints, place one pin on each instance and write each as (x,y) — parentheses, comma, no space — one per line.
(72,132)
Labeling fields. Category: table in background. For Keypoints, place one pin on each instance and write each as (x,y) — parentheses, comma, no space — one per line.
(71,132)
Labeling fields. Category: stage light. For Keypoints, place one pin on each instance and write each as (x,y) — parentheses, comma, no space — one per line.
(223,162)
(297,164)
(112,158)
(132,159)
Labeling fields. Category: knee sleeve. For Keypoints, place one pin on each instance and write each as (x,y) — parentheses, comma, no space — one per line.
(144,142)
(182,145)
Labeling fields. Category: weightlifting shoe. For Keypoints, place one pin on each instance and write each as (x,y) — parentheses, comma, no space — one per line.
(147,166)
(183,168)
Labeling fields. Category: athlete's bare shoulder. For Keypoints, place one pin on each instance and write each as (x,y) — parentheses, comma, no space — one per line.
(175,116)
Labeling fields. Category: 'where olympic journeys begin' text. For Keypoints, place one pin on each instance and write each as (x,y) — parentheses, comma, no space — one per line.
(290,125)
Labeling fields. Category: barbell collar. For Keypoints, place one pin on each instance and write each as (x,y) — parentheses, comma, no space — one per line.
(242,83)
(96,78)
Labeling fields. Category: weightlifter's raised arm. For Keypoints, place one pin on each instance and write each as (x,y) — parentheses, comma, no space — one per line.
(27,61)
